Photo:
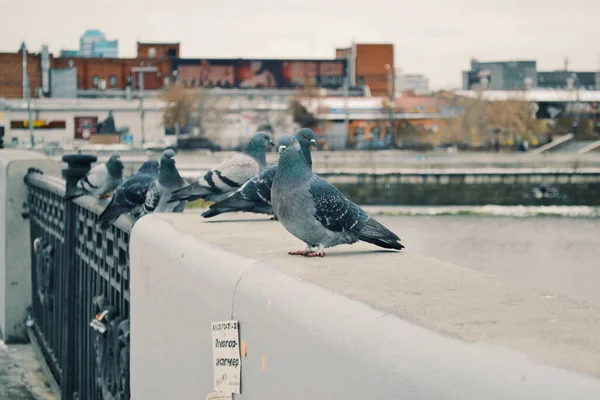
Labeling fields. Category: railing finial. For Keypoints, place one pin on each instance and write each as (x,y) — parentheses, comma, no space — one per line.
(77,166)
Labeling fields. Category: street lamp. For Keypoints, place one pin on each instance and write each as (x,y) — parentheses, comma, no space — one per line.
(390,81)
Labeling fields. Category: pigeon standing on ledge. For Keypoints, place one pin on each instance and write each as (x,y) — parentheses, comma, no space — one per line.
(255,195)
(230,175)
(317,213)
(100,180)
(130,195)
(168,180)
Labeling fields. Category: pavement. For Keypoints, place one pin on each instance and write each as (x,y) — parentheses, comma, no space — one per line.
(548,327)
(21,376)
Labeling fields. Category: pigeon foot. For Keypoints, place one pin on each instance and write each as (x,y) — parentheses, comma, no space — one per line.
(298,253)
(273,218)
(104,196)
(315,254)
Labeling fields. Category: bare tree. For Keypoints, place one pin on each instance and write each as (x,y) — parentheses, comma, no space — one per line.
(179,108)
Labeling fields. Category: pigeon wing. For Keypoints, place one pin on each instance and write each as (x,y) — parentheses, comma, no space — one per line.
(232,173)
(94,180)
(332,209)
(258,189)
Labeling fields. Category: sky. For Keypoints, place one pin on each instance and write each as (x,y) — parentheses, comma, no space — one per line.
(437,38)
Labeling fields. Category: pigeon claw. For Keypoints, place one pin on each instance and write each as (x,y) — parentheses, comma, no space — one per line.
(298,253)
(104,196)
(315,254)
(273,218)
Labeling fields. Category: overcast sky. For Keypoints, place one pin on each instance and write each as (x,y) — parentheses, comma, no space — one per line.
(436,37)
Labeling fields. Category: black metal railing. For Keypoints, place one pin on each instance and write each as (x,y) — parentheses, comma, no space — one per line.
(80,287)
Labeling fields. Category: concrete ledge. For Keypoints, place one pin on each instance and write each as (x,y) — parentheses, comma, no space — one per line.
(360,323)
(15,263)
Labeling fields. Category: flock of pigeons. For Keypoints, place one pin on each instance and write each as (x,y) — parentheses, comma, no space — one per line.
(307,206)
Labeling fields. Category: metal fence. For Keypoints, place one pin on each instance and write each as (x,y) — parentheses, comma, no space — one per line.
(80,286)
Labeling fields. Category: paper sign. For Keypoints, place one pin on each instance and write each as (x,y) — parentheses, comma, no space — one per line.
(226,356)
(218,396)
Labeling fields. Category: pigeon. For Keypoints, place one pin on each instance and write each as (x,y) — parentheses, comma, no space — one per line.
(230,175)
(168,180)
(100,180)
(317,213)
(130,195)
(255,195)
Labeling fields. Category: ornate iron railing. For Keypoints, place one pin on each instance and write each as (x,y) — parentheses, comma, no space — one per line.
(80,288)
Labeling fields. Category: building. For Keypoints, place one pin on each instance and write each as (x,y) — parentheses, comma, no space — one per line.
(102,74)
(11,76)
(371,65)
(158,50)
(415,83)
(562,79)
(93,43)
(501,75)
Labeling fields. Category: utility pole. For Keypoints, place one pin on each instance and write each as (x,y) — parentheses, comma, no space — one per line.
(390,79)
(346,90)
(140,71)
(27,95)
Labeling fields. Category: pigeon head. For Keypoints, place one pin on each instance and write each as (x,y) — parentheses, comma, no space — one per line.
(307,138)
(149,167)
(167,155)
(258,146)
(115,165)
(284,142)
(292,164)
(168,172)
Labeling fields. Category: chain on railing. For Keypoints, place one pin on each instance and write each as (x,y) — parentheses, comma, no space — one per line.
(80,284)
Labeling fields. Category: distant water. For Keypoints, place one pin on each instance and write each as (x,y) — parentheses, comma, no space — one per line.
(559,254)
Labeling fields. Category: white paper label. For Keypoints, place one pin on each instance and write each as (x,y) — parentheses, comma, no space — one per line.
(226,356)
(218,396)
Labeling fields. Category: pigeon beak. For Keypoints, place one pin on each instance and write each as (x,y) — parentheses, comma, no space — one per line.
(282,148)
(313,141)
(271,143)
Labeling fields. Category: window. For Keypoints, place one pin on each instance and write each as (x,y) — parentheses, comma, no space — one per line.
(112,81)
(152,52)
(95,81)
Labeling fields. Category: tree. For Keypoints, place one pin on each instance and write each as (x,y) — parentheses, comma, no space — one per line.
(302,116)
(308,94)
(180,105)
(480,120)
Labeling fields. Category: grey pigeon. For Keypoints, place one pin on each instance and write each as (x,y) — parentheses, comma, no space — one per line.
(230,175)
(100,180)
(317,213)
(255,195)
(130,195)
(169,180)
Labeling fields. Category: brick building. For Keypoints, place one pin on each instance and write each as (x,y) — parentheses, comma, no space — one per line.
(92,73)
(11,74)
(369,66)
(157,50)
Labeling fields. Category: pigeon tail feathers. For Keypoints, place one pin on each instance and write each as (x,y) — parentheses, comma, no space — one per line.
(75,193)
(191,192)
(235,202)
(375,233)
(110,214)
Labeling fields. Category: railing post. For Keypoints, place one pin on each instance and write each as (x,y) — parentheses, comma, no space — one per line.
(77,166)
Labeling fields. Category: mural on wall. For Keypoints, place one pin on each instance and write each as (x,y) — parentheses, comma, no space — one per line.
(250,73)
